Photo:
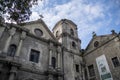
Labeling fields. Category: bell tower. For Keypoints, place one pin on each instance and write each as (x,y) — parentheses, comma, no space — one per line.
(66,33)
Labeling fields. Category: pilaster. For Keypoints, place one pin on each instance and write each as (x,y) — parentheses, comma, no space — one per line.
(2,29)
(50,55)
(23,36)
(11,32)
(12,73)
(59,58)
(59,50)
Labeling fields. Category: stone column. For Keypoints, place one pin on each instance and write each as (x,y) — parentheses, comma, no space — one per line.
(50,55)
(12,73)
(50,58)
(23,35)
(2,29)
(59,63)
(11,32)
(59,58)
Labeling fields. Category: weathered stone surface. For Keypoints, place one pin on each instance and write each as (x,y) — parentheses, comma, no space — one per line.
(53,50)
(109,45)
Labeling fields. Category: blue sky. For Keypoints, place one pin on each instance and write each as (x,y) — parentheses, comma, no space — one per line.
(100,16)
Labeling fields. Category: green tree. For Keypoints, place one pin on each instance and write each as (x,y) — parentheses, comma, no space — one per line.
(17,10)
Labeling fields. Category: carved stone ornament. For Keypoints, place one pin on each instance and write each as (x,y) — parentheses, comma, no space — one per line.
(59,49)
(51,45)
(12,31)
(23,35)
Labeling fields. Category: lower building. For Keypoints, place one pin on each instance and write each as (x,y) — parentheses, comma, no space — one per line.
(102,57)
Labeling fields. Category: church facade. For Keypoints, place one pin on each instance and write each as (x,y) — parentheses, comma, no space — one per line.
(102,57)
(30,51)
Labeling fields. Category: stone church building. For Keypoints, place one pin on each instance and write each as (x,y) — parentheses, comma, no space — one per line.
(30,51)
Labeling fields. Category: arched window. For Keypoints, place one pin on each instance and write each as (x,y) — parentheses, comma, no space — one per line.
(53,62)
(73,44)
(12,50)
(71,32)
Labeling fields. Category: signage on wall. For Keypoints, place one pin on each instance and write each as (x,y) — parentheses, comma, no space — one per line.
(103,68)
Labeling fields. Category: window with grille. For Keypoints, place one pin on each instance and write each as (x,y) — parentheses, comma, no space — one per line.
(12,50)
(91,70)
(115,61)
(53,62)
(34,56)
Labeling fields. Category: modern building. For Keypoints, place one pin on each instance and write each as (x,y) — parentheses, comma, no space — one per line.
(30,51)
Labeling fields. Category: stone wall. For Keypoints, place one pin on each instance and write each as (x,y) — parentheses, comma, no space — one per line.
(110,47)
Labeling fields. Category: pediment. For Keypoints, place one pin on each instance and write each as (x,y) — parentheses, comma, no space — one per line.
(98,41)
(39,29)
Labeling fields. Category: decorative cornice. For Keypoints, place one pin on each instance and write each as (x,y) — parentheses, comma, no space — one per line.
(17,27)
(12,62)
(63,21)
(39,72)
(56,43)
(64,34)
(54,72)
(48,41)
(39,38)
(33,71)
(71,52)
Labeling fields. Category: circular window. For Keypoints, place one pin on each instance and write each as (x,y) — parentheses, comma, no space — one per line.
(38,32)
(96,44)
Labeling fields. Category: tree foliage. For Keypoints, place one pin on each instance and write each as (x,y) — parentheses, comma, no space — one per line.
(17,10)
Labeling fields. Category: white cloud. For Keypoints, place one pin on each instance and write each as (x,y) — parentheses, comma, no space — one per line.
(76,10)
(34,16)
